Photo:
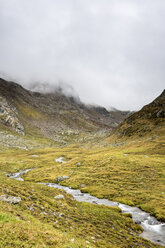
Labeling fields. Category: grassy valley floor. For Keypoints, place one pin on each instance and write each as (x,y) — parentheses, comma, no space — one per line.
(133,174)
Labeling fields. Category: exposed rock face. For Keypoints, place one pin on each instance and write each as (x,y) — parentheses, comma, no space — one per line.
(8,116)
(10,199)
(62,178)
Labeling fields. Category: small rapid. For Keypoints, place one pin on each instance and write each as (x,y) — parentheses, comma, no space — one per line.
(18,175)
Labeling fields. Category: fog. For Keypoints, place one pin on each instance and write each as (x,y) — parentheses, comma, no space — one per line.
(110,52)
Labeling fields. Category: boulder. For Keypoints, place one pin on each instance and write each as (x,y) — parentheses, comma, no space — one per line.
(62,178)
(10,199)
(82,185)
(59,197)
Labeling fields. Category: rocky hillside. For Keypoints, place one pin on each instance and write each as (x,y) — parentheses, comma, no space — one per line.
(9,115)
(53,115)
(118,115)
(150,120)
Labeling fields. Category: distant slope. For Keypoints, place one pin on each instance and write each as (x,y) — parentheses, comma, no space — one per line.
(53,115)
(150,120)
(118,116)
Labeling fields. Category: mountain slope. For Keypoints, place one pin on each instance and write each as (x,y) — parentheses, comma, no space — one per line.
(53,116)
(150,120)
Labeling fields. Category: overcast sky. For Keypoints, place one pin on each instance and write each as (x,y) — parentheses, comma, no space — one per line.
(111,51)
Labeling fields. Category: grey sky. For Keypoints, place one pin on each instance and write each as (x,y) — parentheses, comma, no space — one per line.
(111,51)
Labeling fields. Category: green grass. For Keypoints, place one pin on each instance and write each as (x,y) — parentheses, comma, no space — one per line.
(41,221)
(134,175)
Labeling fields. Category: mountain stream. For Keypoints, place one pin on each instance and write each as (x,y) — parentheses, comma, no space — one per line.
(153,229)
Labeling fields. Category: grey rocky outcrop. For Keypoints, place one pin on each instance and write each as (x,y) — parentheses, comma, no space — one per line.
(9,116)
(62,178)
(10,199)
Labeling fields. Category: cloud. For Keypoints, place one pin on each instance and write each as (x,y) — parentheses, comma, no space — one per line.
(111,51)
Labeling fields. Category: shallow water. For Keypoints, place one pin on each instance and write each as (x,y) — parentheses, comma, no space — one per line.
(18,175)
(153,229)
(60,160)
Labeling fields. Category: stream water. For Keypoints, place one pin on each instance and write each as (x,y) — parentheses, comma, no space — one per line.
(18,175)
(153,229)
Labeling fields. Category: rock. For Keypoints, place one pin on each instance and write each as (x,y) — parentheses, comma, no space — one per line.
(31,208)
(60,160)
(10,199)
(160,113)
(82,185)
(62,178)
(59,197)
(59,215)
(78,164)
(34,155)
(15,141)
(9,116)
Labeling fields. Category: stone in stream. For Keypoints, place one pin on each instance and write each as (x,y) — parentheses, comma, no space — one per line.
(10,199)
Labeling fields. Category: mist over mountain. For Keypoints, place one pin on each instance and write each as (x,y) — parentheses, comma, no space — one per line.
(82,140)
(61,87)
(53,112)
(110,52)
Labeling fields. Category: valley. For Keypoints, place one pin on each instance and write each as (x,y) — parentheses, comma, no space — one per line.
(86,152)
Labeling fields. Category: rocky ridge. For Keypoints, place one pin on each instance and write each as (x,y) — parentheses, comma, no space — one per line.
(9,116)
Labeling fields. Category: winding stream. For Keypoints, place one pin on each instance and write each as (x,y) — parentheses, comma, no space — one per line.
(18,175)
(153,229)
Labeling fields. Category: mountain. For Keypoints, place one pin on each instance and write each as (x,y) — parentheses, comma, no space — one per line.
(118,115)
(72,149)
(150,120)
(54,116)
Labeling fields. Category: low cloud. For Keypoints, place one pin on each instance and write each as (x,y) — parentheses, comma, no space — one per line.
(48,88)
(111,52)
